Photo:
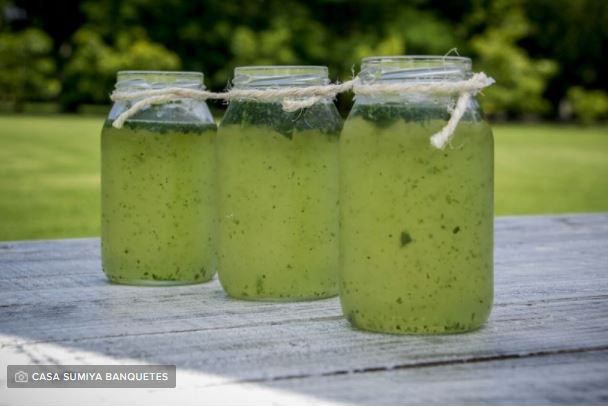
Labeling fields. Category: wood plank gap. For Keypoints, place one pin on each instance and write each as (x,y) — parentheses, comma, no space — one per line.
(461,361)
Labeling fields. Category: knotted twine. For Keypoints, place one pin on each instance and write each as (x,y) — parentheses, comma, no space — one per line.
(296,98)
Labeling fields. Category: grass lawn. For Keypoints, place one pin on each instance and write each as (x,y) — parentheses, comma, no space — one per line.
(49,183)
(49,166)
(550,169)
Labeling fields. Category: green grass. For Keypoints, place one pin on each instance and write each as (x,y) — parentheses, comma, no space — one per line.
(49,173)
(550,169)
(49,176)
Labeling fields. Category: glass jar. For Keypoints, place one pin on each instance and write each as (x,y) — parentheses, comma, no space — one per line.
(278,191)
(157,175)
(416,237)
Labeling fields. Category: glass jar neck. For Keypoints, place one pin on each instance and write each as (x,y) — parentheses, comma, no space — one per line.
(147,80)
(399,69)
(261,77)
(177,111)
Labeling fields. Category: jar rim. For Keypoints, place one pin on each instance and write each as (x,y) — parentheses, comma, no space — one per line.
(142,80)
(252,68)
(396,58)
(266,76)
(419,68)
(167,73)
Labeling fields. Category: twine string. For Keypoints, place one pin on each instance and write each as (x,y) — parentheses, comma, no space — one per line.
(296,98)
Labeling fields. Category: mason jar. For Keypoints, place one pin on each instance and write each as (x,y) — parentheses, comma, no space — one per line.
(157,186)
(416,238)
(277,190)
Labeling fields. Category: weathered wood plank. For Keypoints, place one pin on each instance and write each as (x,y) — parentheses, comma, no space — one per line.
(306,346)
(574,378)
(76,290)
(564,378)
(551,297)
(193,387)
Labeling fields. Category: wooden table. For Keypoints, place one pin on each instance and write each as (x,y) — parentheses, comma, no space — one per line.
(546,341)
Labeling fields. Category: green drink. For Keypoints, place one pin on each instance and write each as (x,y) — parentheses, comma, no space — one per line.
(416,222)
(277,200)
(157,199)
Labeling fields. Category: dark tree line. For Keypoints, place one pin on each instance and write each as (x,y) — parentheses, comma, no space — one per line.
(547,55)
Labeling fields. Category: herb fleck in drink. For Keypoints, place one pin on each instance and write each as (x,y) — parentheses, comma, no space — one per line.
(277,191)
(157,191)
(416,221)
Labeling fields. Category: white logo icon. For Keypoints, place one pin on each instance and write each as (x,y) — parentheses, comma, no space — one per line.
(21,377)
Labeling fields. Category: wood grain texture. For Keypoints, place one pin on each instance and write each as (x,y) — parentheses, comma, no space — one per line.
(549,326)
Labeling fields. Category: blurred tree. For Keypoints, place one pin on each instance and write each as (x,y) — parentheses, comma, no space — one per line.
(91,71)
(575,34)
(370,28)
(588,105)
(536,50)
(385,28)
(520,80)
(28,70)
(217,36)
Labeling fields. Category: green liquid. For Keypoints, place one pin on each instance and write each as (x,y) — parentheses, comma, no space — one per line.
(416,225)
(278,212)
(157,203)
